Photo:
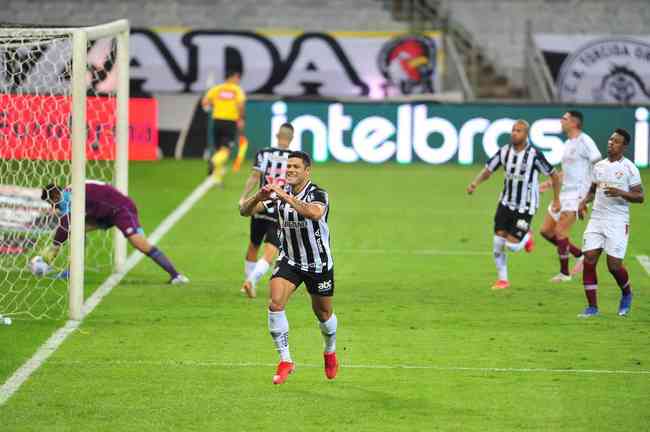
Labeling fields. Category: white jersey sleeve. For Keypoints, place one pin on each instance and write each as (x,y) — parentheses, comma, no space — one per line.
(634,176)
(589,150)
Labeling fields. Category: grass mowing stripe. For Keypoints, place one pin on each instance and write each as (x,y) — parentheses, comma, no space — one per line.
(217,364)
(54,342)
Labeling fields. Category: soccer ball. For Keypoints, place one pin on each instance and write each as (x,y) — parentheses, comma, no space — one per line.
(38,266)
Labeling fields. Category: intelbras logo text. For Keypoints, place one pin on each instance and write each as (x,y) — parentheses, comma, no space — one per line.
(416,133)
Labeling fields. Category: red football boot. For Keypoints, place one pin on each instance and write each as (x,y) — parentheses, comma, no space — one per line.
(283,371)
(331,365)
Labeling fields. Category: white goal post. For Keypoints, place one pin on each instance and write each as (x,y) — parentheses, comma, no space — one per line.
(81,37)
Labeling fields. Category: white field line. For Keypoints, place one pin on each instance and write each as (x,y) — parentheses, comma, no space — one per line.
(54,342)
(644,260)
(441,252)
(218,364)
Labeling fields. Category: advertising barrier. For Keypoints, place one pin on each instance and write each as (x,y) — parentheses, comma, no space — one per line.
(38,127)
(432,133)
(287,63)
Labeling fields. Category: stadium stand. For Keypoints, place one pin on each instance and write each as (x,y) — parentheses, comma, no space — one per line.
(242,14)
(504,43)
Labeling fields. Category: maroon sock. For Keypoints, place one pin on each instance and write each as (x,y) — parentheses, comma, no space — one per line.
(551,239)
(622,279)
(563,252)
(575,250)
(590,282)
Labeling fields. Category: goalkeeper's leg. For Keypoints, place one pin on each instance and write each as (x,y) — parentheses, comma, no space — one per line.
(141,243)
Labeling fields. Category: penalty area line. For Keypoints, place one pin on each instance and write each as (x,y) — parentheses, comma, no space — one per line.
(15,381)
(218,364)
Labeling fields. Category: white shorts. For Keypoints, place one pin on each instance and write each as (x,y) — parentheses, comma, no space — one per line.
(566,205)
(608,235)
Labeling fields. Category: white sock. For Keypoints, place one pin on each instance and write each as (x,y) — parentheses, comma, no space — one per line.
(261,266)
(248,268)
(516,247)
(328,329)
(500,258)
(279,329)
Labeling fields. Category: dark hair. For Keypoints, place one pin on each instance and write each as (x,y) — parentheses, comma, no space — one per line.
(578,116)
(302,155)
(625,134)
(231,72)
(287,126)
(47,191)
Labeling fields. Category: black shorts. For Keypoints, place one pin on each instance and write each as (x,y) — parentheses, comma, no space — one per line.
(225,132)
(511,221)
(321,284)
(264,230)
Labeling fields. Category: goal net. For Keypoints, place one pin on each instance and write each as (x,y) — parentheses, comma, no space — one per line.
(63,120)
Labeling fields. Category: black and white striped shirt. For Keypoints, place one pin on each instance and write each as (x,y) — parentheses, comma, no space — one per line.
(305,243)
(520,184)
(272,164)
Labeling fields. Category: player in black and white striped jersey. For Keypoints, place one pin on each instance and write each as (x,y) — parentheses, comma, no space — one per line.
(302,209)
(519,198)
(269,167)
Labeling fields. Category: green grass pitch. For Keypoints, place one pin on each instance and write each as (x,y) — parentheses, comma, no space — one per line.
(424,343)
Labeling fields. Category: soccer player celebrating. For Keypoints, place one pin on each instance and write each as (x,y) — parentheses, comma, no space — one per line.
(580,153)
(305,256)
(270,167)
(616,182)
(105,207)
(520,196)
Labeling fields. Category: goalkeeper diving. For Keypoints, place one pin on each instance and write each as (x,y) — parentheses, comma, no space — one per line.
(106,207)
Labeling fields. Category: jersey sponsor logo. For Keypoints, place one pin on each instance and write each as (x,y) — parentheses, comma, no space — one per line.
(510,176)
(226,95)
(324,286)
(295,224)
(607,70)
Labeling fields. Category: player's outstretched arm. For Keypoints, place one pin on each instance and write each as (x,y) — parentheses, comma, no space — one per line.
(310,210)
(480,178)
(255,204)
(547,184)
(253,179)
